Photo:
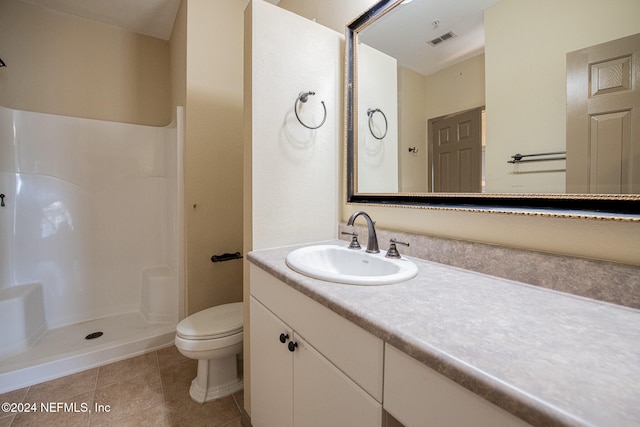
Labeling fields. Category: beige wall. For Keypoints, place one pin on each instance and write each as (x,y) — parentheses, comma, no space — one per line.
(213,150)
(457,88)
(61,64)
(604,240)
(178,54)
(412,131)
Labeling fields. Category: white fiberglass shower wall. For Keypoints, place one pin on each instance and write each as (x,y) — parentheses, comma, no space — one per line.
(88,230)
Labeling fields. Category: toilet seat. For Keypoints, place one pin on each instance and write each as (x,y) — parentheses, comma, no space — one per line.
(214,338)
(212,323)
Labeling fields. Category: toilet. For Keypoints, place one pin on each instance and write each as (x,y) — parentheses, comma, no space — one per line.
(213,337)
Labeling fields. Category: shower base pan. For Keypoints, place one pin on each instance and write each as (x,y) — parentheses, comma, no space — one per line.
(67,350)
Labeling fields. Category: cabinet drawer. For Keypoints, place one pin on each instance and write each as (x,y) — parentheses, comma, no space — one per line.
(356,352)
(417,395)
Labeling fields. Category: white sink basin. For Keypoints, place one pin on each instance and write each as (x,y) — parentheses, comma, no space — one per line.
(355,267)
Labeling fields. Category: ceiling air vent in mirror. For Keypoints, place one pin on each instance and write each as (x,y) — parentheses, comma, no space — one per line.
(442,38)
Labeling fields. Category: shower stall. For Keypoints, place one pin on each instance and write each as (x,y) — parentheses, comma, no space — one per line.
(90,242)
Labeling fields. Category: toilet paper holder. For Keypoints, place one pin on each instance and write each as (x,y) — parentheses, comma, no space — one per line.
(226,257)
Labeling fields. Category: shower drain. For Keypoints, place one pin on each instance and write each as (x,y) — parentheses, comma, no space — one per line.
(93,335)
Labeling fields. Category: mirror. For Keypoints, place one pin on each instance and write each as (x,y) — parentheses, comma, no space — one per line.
(513,79)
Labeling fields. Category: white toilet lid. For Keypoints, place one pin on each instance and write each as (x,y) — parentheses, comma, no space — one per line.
(215,322)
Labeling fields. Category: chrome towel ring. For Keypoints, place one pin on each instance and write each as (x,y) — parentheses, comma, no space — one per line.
(304,97)
(370,113)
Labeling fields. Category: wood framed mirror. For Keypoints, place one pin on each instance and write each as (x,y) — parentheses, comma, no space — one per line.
(528,166)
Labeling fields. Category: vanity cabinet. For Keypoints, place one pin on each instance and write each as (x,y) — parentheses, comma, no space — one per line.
(312,367)
(417,395)
(309,366)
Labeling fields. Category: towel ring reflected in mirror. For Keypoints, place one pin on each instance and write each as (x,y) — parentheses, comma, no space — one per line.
(303,97)
(370,113)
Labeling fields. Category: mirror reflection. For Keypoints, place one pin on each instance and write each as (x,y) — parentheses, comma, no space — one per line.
(509,96)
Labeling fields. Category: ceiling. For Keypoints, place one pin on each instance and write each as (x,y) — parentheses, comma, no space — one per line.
(404,33)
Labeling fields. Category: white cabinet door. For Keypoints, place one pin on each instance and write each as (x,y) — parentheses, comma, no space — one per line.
(271,370)
(300,387)
(419,396)
(325,396)
(356,352)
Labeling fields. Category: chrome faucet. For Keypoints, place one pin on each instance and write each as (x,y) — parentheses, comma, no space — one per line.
(372,245)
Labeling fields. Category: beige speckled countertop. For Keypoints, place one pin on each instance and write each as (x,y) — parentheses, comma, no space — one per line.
(550,358)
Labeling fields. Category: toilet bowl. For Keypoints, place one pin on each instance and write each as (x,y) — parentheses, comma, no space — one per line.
(214,338)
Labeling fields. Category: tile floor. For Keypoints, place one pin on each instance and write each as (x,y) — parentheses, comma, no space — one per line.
(148,390)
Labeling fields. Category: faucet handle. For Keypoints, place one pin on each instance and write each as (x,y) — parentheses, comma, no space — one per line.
(354,240)
(393,251)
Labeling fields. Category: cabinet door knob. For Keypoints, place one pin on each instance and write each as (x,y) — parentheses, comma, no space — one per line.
(292,346)
(284,338)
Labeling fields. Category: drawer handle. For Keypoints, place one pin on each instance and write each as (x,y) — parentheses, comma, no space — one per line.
(292,346)
(284,338)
